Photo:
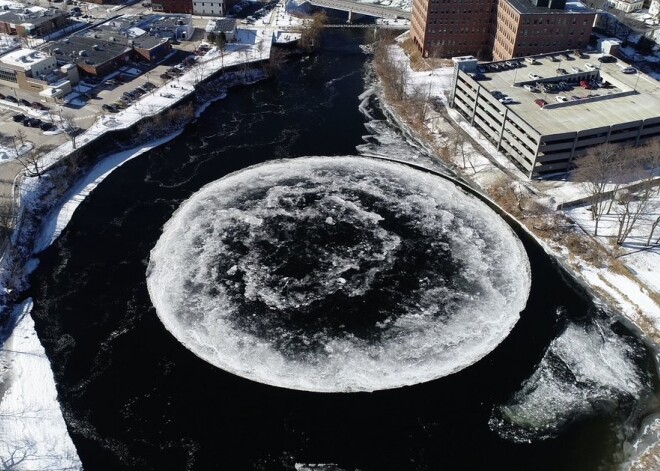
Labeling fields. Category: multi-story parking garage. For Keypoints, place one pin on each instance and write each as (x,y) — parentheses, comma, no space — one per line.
(536,111)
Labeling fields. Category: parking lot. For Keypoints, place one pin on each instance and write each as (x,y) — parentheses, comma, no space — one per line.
(91,98)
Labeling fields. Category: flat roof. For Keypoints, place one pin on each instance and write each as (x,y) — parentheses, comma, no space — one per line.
(31,18)
(572,6)
(24,58)
(634,96)
(69,49)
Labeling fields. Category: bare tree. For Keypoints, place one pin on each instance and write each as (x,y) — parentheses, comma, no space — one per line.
(310,38)
(30,161)
(594,172)
(199,72)
(419,98)
(20,135)
(631,206)
(71,130)
(654,226)
(456,143)
(7,217)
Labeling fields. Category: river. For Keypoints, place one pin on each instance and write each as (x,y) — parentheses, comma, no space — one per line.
(567,389)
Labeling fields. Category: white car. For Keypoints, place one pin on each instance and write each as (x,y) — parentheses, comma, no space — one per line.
(530,88)
(535,77)
(576,70)
(561,99)
(505,100)
(589,66)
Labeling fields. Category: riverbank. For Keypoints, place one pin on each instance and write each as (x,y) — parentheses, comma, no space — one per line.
(420,106)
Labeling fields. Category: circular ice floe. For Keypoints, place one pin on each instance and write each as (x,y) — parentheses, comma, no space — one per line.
(338,274)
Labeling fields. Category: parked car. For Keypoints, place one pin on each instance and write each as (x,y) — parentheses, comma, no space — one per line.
(506,100)
(607,59)
(530,88)
(629,70)
(535,76)
(35,122)
(531,60)
(585,84)
(18,118)
(149,86)
(46,126)
(575,70)
(26,122)
(138,92)
(37,105)
(2,96)
(165,76)
(107,107)
(24,102)
(562,71)
(590,66)
(561,99)
(497,94)
(540,102)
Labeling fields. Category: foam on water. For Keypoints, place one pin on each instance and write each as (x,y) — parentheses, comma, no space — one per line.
(338,274)
(584,368)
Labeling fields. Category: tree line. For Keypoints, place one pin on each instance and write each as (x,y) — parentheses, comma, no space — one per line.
(621,181)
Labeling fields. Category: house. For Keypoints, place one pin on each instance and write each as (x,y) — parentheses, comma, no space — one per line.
(222,27)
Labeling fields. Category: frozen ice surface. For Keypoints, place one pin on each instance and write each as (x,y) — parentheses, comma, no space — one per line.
(338,274)
(584,368)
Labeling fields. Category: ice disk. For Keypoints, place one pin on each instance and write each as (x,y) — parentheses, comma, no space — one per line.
(338,274)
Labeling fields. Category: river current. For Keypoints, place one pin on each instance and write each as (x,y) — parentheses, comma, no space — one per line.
(564,386)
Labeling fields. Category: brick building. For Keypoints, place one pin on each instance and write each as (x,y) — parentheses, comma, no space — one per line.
(173,6)
(33,22)
(499,28)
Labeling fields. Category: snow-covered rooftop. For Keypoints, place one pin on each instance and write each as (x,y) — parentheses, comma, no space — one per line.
(24,58)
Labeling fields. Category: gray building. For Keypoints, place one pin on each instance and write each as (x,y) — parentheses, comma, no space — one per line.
(539,114)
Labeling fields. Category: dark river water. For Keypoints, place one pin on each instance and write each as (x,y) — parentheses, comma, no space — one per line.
(566,390)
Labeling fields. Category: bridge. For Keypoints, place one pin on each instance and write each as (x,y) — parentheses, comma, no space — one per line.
(367,9)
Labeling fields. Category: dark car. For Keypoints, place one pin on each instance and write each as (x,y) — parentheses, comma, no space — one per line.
(562,71)
(149,86)
(110,108)
(27,122)
(11,98)
(138,92)
(607,59)
(46,126)
(18,118)
(35,122)
(38,106)
(2,97)
(24,102)
(165,76)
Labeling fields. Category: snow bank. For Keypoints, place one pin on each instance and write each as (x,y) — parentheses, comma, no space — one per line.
(33,435)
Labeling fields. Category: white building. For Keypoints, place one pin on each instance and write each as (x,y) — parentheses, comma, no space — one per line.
(209,8)
(654,9)
(36,63)
(627,6)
